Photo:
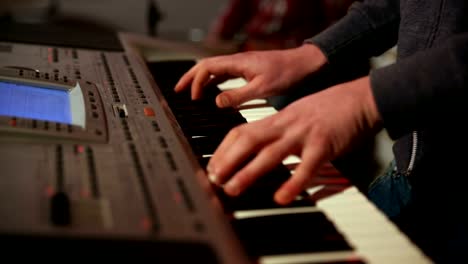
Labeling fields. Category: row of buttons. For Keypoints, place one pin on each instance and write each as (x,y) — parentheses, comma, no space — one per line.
(140,93)
(110,79)
(36,124)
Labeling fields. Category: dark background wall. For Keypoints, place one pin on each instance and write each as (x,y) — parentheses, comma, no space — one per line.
(181,19)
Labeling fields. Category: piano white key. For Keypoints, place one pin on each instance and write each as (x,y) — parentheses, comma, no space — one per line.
(255,102)
(291,160)
(373,235)
(274,211)
(232,83)
(295,258)
(320,257)
(251,110)
(252,115)
(311,191)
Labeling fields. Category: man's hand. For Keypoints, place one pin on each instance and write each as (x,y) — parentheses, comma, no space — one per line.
(267,72)
(318,128)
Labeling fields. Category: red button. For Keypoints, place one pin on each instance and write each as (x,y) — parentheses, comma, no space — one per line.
(79,149)
(12,122)
(148,111)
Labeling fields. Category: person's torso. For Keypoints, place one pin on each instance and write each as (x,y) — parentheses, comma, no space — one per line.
(430,156)
(425,24)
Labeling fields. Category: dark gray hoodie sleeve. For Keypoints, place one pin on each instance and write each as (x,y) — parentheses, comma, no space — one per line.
(369,29)
(426,88)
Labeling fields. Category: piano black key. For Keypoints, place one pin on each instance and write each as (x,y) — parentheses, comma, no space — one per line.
(203,161)
(198,119)
(168,73)
(205,125)
(289,234)
(207,130)
(209,118)
(205,145)
(194,111)
(203,151)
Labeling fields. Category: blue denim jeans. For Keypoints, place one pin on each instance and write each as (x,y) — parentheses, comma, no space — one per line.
(390,192)
(442,232)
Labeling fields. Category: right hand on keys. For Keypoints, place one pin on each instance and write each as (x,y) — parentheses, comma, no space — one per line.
(268,73)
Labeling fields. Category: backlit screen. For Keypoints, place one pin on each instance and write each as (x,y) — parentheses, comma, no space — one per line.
(39,103)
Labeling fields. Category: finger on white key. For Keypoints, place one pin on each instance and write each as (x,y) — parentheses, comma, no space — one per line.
(291,159)
(257,113)
(254,103)
(232,84)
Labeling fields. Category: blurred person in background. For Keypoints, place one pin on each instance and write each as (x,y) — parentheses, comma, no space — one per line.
(271,24)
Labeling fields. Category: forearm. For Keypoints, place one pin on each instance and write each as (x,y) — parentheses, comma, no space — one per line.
(424,89)
(307,58)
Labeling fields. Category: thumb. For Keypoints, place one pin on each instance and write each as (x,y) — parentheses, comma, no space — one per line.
(237,96)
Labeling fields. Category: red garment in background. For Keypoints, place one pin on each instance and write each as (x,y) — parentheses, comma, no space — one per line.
(264,24)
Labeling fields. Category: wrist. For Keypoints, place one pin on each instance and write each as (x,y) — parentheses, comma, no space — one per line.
(372,113)
(310,56)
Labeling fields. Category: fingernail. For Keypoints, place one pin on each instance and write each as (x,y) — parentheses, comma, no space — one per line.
(283,197)
(232,187)
(224,100)
(213,178)
(211,175)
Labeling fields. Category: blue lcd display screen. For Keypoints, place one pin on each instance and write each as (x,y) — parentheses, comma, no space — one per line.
(25,101)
